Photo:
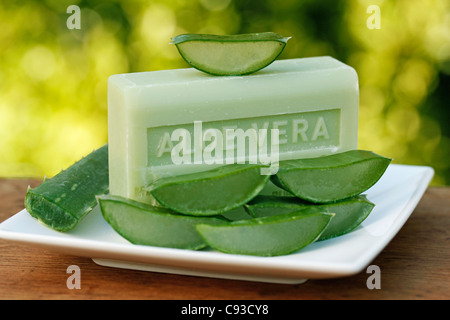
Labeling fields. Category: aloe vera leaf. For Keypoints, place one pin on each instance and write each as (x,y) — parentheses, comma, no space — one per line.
(210,192)
(267,236)
(331,178)
(349,213)
(63,200)
(226,55)
(144,224)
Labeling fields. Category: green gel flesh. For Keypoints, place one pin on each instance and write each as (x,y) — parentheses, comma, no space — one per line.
(62,201)
(349,213)
(267,236)
(331,178)
(230,55)
(143,224)
(210,192)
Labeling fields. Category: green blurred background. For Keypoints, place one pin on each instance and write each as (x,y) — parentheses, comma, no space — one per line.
(53,81)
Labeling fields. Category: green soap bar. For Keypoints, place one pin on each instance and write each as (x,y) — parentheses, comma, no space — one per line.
(267,236)
(210,192)
(227,55)
(144,224)
(349,213)
(171,122)
(62,201)
(331,178)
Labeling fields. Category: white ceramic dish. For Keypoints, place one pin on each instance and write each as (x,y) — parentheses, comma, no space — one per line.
(395,195)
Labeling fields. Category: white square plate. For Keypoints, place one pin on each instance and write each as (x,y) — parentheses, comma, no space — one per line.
(395,196)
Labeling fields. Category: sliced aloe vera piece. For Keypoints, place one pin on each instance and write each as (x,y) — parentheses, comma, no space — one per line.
(266,206)
(227,55)
(144,224)
(349,213)
(239,213)
(267,236)
(331,178)
(210,192)
(63,200)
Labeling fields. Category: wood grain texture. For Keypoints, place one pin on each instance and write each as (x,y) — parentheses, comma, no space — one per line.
(414,265)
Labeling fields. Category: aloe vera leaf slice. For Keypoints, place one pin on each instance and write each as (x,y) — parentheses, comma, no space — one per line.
(144,224)
(227,55)
(267,205)
(267,236)
(210,192)
(331,178)
(239,213)
(349,213)
(63,200)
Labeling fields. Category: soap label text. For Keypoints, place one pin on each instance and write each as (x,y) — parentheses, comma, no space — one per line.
(264,140)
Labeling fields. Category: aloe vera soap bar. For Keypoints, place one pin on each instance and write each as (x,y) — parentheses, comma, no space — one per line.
(181,121)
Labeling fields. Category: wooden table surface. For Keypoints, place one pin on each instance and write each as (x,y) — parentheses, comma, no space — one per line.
(414,265)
